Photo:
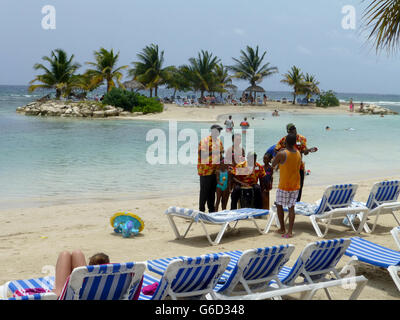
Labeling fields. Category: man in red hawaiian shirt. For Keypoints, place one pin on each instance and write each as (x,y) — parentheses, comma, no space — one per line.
(210,154)
(301,146)
(248,174)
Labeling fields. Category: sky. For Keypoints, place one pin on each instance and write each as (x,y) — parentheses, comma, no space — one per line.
(308,34)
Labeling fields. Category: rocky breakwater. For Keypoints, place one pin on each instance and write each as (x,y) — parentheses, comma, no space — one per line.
(375,109)
(78,109)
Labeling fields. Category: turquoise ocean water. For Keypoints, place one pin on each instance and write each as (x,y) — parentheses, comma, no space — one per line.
(45,161)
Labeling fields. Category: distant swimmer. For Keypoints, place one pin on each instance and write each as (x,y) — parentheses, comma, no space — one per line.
(244,125)
(275,113)
(327,128)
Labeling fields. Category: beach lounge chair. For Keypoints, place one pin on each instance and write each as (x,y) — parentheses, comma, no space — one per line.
(119,281)
(222,218)
(376,255)
(186,277)
(316,262)
(263,270)
(382,199)
(336,202)
(396,235)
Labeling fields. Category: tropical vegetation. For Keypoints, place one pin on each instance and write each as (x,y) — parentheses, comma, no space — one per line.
(149,69)
(203,73)
(249,66)
(105,69)
(132,101)
(59,75)
(382,18)
(327,99)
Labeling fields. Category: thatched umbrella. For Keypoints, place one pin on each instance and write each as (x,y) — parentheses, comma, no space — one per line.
(254,89)
(134,85)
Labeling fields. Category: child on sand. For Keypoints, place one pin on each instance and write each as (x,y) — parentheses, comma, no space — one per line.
(223,186)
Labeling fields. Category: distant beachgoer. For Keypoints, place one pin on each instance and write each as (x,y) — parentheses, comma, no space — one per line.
(223,186)
(275,113)
(210,153)
(289,162)
(212,102)
(327,128)
(351,105)
(229,124)
(68,261)
(361,106)
(265,99)
(244,125)
(301,146)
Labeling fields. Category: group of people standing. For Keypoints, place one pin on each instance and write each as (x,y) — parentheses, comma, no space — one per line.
(239,176)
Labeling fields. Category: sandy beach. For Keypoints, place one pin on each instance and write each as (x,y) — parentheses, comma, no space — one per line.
(31,238)
(209,114)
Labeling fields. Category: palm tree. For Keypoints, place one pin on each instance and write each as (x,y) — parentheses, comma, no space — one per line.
(383,17)
(310,86)
(81,83)
(176,80)
(58,75)
(223,80)
(105,69)
(200,72)
(250,66)
(295,79)
(148,70)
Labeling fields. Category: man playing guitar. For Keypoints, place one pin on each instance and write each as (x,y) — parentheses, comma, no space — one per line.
(301,146)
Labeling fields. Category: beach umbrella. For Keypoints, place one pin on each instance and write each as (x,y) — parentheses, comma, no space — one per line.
(134,85)
(254,89)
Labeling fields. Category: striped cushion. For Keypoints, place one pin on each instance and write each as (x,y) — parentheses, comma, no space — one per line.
(45,283)
(372,253)
(217,217)
(336,196)
(385,191)
(186,275)
(318,258)
(104,282)
(256,266)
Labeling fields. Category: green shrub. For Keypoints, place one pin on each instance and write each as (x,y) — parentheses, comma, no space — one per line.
(132,101)
(327,99)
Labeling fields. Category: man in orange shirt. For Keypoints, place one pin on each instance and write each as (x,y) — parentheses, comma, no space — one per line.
(301,146)
(289,161)
(210,154)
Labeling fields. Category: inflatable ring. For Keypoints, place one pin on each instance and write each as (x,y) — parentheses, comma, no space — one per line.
(121,217)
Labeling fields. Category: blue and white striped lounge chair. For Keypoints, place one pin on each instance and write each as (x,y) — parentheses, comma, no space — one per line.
(118,281)
(222,218)
(254,270)
(8,289)
(187,277)
(316,262)
(336,203)
(382,199)
(376,255)
(263,269)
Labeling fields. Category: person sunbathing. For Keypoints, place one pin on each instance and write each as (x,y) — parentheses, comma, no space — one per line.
(68,261)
